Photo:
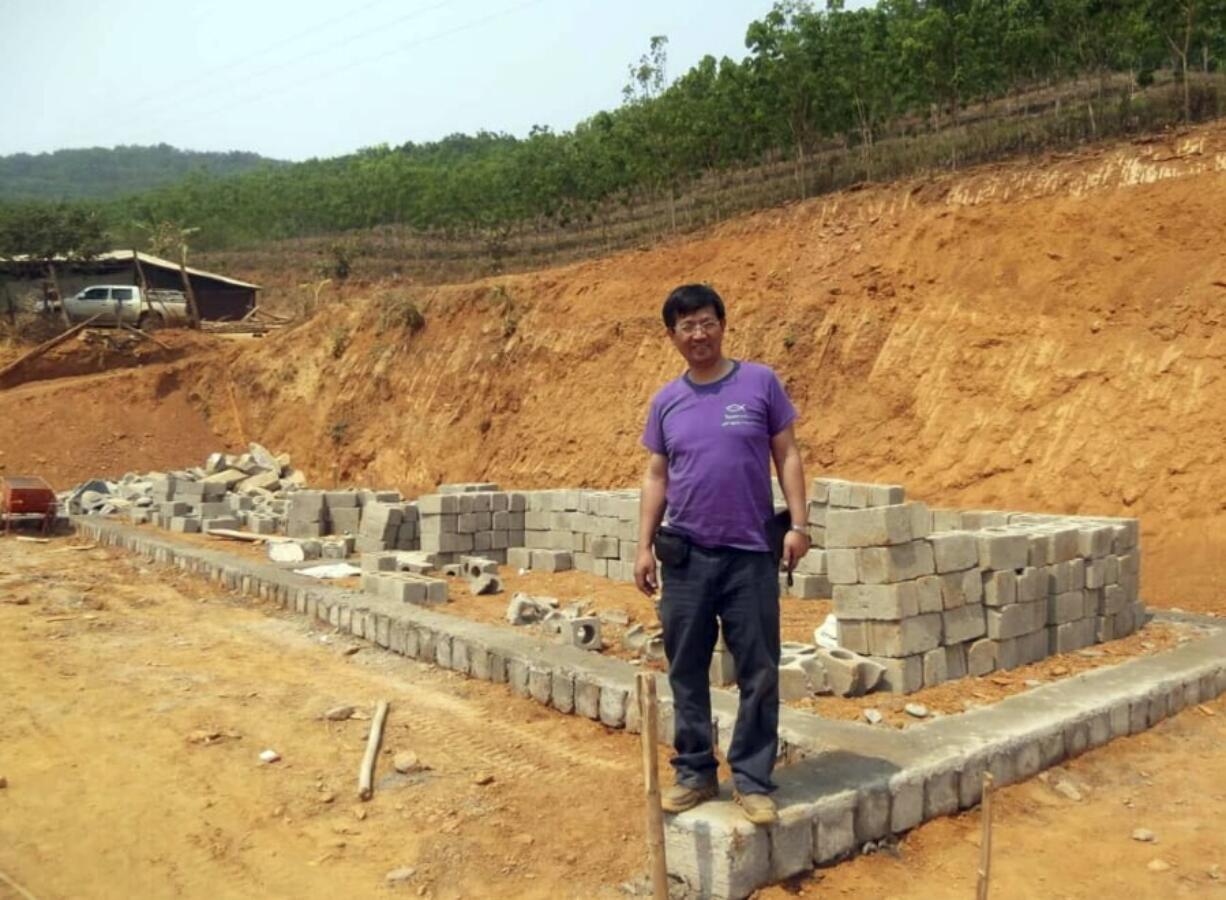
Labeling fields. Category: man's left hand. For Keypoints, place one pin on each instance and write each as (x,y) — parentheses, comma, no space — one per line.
(795,545)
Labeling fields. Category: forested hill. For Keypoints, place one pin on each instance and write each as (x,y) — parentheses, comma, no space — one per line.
(836,96)
(99,173)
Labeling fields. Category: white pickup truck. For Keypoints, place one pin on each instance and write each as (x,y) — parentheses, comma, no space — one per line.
(128,304)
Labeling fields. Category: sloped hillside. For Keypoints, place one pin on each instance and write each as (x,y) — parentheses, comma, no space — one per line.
(1044,336)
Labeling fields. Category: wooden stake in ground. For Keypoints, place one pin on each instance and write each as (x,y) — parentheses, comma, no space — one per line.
(646,683)
(367,773)
(985,838)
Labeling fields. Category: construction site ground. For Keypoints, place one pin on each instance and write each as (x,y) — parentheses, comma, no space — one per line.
(1043,335)
(137,703)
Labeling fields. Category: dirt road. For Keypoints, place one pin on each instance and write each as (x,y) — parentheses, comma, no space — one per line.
(136,703)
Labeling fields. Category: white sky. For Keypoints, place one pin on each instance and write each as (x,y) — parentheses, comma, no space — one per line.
(299,78)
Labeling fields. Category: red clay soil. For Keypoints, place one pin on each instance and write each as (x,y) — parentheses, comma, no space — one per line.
(1041,335)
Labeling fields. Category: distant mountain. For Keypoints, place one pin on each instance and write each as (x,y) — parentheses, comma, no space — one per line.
(99,173)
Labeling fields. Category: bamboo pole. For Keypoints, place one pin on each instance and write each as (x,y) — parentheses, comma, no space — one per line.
(646,683)
(46,345)
(192,309)
(985,838)
(366,774)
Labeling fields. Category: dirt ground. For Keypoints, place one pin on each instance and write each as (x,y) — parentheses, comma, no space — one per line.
(137,701)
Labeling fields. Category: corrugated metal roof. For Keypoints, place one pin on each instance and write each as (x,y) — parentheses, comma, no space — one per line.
(121,255)
(152,260)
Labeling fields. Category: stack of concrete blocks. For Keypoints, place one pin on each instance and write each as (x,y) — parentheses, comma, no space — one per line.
(387,524)
(471,518)
(1084,570)
(811,579)
(592,531)
(398,576)
(986,591)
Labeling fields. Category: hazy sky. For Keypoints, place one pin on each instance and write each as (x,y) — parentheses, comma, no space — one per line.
(300,78)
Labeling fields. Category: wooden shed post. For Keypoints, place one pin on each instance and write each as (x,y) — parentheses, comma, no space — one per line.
(55,287)
(192,309)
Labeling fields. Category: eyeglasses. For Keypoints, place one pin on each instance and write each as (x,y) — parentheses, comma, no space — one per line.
(706,326)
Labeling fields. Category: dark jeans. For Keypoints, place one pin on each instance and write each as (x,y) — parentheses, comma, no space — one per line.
(740,589)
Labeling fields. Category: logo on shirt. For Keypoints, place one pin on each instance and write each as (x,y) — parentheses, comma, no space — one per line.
(736,414)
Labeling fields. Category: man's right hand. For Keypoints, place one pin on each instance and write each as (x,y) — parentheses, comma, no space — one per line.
(645,571)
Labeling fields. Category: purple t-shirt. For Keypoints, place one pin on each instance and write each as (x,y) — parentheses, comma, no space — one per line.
(717,440)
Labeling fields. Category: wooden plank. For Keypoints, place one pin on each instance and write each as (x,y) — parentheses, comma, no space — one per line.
(47,345)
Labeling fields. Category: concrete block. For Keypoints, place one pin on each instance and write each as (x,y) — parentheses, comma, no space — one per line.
(965,623)
(954,551)
(519,557)
(853,635)
(716,851)
(956,661)
(849,674)
(921,520)
(876,601)
(438,504)
(981,657)
(842,566)
(907,637)
(562,692)
(345,520)
(906,800)
(612,706)
(930,594)
(886,494)
(551,560)
(722,671)
(868,527)
(1063,543)
(1015,620)
(999,588)
(582,632)
(902,675)
(807,586)
(1031,585)
(1003,549)
(834,827)
(302,529)
(517,676)
(872,820)
(940,792)
(898,562)
(540,684)
(936,667)
(961,588)
(1066,607)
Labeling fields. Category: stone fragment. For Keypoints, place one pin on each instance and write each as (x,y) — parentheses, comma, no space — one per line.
(918,710)
(406,763)
(339,713)
(401,875)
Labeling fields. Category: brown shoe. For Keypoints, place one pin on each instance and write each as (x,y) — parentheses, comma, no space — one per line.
(679,798)
(759,808)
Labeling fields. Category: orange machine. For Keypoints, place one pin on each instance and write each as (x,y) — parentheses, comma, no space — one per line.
(26,497)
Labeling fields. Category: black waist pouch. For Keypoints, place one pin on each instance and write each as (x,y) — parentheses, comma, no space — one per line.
(672,547)
(777,527)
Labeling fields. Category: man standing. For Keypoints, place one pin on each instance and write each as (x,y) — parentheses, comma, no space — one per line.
(712,434)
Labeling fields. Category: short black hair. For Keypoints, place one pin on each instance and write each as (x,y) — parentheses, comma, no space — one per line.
(688,299)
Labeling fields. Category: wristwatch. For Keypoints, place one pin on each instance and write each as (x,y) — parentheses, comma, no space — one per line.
(804,531)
